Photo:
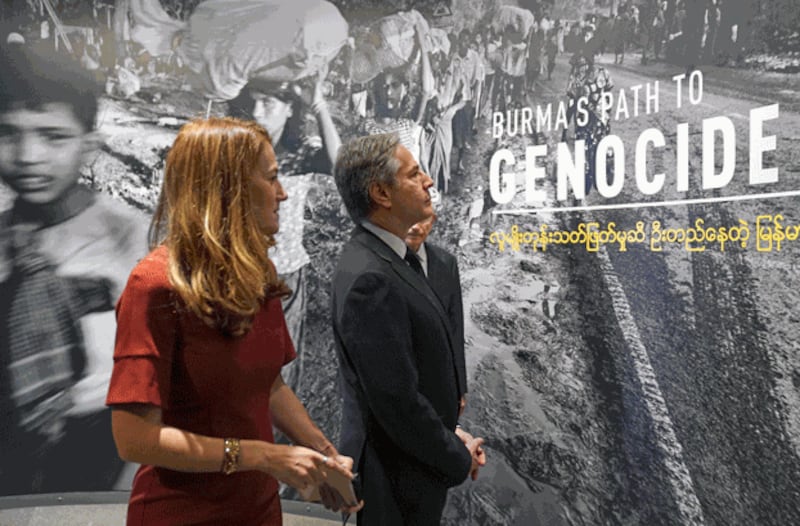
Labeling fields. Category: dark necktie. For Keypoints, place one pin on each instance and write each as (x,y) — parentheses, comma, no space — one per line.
(413,261)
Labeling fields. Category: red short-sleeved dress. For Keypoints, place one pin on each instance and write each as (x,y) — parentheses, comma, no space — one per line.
(204,382)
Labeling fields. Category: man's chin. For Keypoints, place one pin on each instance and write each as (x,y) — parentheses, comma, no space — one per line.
(393,112)
(37,198)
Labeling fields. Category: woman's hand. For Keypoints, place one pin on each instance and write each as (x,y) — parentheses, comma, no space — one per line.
(301,467)
(331,498)
(296,466)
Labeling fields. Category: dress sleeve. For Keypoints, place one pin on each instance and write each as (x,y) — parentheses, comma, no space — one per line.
(147,325)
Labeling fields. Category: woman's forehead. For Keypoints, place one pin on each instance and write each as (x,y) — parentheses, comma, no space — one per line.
(267,158)
(270,98)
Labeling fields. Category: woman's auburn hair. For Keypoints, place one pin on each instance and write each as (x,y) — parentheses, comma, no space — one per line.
(218,261)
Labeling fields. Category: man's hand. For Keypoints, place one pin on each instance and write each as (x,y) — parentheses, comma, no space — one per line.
(475,447)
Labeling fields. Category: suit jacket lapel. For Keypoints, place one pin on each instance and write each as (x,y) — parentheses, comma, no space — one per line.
(405,272)
(440,278)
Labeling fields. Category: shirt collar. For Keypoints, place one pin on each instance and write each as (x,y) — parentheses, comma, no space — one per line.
(397,245)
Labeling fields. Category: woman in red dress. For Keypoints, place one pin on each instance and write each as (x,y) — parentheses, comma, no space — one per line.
(201,339)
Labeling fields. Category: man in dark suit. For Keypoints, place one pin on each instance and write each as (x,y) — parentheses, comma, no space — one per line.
(441,269)
(399,376)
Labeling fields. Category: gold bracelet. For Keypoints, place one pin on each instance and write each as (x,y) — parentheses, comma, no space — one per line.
(230,459)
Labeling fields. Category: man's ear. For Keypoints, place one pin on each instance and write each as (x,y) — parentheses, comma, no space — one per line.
(380,195)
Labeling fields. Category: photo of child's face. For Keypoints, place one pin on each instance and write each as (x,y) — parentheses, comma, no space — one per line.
(41,150)
(272,113)
(390,92)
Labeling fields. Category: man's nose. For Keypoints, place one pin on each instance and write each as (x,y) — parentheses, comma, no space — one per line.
(30,149)
(427,182)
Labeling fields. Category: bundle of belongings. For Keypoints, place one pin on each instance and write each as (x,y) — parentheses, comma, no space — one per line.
(439,41)
(514,22)
(229,43)
(390,42)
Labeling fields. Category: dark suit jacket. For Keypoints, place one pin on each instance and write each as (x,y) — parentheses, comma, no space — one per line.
(399,385)
(443,276)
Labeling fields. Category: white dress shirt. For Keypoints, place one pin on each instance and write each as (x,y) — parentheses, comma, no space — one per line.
(397,245)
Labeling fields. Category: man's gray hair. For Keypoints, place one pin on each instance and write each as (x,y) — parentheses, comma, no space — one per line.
(361,162)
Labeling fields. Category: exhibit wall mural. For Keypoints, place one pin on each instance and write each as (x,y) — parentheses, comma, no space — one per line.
(619,181)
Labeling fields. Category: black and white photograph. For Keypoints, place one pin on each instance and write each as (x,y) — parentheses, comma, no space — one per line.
(610,265)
